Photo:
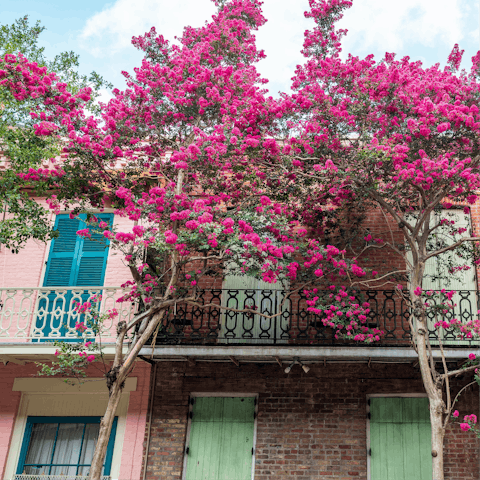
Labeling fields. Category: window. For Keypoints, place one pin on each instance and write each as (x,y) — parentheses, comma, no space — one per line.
(73,262)
(62,446)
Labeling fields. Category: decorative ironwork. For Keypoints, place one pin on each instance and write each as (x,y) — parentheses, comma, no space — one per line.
(294,324)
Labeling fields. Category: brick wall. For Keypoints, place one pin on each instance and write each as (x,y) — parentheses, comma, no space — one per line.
(310,426)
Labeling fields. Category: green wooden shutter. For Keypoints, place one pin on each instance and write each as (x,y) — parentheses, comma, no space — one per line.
(221,439)
(242,291)
(400,439)
(464,282)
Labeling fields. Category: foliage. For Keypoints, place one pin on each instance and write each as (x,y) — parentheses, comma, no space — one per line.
(22,216)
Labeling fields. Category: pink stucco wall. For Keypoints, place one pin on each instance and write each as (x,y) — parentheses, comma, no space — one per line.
(26,269)
(132,452)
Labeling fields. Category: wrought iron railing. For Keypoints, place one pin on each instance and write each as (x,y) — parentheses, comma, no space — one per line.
(191,325)
(46,314)
(40,314)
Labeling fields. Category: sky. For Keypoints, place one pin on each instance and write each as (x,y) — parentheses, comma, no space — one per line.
(100,31)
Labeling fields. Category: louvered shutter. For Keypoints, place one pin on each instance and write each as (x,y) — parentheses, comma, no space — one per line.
(242,291)
(73,262)
(63,253)
(92,258)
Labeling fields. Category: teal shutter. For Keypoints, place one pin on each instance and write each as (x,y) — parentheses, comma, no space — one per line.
(400,439)
(221,439)
(64,251)
(92,261)
(73,262)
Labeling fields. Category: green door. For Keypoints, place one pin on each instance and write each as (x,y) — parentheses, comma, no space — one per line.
(221,439)
(400,439)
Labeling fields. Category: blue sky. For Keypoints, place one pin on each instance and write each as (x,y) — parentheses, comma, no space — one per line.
(100,31)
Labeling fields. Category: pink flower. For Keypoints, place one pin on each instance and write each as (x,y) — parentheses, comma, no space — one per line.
(80,327)
(56,353)
(418,291)
(465,427)
(84,233)
(456,413)
(472,357)
(90,358)
(87,344)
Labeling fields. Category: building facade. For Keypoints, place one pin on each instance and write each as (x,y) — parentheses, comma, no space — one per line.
(218,395)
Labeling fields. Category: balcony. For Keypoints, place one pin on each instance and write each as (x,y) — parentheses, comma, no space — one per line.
(47,314)
(39,315)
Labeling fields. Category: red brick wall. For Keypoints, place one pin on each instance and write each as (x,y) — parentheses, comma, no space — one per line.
(310,426)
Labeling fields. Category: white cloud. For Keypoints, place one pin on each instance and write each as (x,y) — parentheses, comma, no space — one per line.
(375,26)
(111,30)
(389,25)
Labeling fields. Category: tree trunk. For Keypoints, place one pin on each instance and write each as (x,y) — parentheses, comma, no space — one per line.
(427,367)
(105,429)
(436,419)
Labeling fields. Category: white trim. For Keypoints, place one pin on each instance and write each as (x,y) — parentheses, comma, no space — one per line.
(382,395)
(219,395)
(58,385)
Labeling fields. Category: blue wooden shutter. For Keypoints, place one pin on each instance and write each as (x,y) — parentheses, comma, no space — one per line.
(73,262)
(63,253)
(92,258)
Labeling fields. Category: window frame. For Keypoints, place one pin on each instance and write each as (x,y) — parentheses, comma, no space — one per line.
(31,420)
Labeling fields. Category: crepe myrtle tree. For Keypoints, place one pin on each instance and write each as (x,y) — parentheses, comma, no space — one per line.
(172,153)
(400,140)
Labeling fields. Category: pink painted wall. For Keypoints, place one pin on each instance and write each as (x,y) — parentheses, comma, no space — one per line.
(26,269)
(132,452)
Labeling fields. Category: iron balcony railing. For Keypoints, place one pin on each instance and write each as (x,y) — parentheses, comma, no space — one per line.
(389,312)
(47,314)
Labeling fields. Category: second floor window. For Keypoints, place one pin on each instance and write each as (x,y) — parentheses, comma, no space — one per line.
(74,262)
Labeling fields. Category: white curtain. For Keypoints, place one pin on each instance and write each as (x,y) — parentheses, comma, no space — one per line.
(41,447)
(67,449)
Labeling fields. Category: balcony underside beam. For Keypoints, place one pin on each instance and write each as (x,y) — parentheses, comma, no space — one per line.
(275,354)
